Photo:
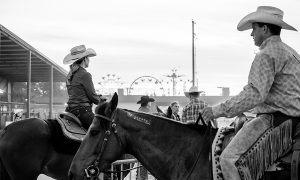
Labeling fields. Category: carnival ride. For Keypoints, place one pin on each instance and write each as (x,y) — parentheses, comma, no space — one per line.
(148,85)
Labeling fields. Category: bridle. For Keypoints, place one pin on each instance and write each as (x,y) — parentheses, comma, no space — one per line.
(93,170)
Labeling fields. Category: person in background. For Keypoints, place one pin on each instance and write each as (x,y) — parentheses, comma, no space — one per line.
(190,112)
(272,92)
(172,111)
(145,102)
(80,86)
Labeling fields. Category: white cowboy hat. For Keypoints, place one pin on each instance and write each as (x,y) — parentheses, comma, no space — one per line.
(77,53)
(193,89)
(264,14)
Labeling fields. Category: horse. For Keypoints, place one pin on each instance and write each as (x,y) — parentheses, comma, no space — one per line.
(31,147)
(169,149)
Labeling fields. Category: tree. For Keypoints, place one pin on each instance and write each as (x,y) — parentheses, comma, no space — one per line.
(38,89)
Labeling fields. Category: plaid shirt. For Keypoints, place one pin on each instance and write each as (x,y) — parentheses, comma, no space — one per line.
(273,83)
(191,111)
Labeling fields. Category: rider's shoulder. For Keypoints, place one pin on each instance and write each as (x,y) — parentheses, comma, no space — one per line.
(85,74)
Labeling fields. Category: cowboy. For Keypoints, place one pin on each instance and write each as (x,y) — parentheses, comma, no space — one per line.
(273,88)
(145,102)
(190,112)
(80,86)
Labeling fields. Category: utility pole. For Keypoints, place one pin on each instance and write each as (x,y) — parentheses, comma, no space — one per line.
(193,53)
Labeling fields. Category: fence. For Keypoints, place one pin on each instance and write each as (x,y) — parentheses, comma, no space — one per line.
(132,175)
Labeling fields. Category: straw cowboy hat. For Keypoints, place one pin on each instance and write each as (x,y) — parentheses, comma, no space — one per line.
(77,53)
(193,89)
(145,99)
(264,14)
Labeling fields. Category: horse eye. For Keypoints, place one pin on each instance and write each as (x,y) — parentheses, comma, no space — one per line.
(94,132)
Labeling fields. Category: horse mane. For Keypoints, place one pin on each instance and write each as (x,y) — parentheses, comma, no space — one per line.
(101,108)
(199,128)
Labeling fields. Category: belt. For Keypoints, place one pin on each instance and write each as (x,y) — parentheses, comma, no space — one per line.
(279,117)
(79,104)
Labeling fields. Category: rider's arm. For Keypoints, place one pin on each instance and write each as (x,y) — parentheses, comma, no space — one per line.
(89,88)
(260,80)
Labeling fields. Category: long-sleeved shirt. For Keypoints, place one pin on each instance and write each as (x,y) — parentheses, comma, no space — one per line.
(81,88)
(273,83)
(190,112)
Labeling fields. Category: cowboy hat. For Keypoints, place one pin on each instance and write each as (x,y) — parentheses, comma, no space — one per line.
(77,53)
(145,99)
(264,14)
(193,89)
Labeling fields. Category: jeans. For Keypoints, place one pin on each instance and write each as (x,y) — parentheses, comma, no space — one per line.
(84,114)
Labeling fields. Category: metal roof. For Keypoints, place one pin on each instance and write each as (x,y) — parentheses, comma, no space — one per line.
(14,58)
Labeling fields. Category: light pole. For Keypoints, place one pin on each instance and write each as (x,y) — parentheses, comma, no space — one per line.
(193,53)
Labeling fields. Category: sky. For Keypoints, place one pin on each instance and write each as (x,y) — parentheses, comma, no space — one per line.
(135,38)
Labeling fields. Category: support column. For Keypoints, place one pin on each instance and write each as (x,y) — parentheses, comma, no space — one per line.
(0,44)
(9,91)
(28,84)
(51,93)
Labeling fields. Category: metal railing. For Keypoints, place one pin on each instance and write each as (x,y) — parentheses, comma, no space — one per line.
(132,175)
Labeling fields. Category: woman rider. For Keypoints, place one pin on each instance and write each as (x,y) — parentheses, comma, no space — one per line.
(80,86)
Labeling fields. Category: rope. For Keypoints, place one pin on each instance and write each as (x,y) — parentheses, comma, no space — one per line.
(198,155)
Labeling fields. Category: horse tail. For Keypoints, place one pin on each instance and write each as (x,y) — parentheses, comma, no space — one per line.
(3,173)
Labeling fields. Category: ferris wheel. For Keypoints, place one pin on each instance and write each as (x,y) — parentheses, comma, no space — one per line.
(146,85)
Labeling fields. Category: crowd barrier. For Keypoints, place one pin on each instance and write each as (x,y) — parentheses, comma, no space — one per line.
(132,175)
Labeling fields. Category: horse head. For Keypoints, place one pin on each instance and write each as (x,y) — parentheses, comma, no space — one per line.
(164,146)
(100,145)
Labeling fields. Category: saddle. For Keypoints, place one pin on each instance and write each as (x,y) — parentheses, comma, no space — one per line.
(71,126)
(287,159)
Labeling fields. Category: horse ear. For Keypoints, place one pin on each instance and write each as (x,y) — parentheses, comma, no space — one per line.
(114,102)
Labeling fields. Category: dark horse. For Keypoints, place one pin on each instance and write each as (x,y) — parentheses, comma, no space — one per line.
(32,147)
(170,150)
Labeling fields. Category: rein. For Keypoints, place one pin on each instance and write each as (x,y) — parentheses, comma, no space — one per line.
(198,155)
(93,170)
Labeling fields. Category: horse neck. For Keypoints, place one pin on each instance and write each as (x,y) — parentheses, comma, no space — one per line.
(166,148)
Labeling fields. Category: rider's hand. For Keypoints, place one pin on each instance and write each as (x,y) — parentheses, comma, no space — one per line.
(102,98)
(207,114)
